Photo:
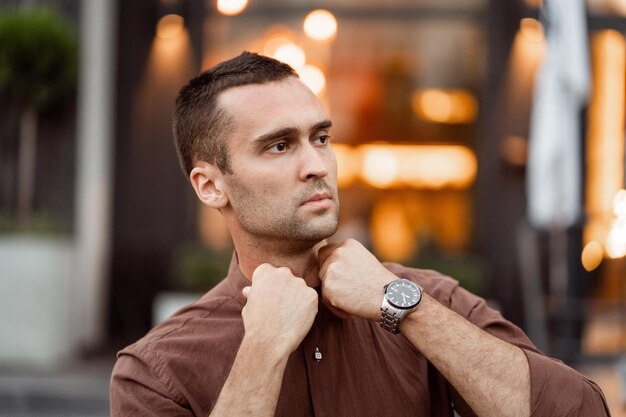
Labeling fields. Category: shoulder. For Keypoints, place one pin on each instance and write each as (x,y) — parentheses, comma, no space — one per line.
(213,316)
(194,348)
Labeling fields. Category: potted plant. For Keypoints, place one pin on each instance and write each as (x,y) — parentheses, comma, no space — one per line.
(195,270)
(38,68)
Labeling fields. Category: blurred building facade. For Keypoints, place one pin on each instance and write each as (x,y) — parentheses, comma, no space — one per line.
(431,102)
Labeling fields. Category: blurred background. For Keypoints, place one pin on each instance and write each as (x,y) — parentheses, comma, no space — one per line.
(481,138)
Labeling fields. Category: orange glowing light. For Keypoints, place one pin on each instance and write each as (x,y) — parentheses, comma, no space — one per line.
(348,164)
(320,25)
(313,77)
(531,29)
(605,143)
(445,106)
(231,7)
(534,3)
(392,234)
(418,166)
(514,150)
(591,256)
(616,240)
(291,54)
(170,26)
(380,166)
(273,44)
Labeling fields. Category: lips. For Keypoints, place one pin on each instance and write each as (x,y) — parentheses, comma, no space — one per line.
(318,197)
(319,200)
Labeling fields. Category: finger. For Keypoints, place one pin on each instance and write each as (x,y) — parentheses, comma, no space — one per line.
(245,291)
(325,251)
(324,260)
(259,270)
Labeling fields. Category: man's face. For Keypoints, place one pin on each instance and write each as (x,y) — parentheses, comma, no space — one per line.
(284,181)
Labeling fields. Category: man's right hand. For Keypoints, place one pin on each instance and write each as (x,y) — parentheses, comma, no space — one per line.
(280,309)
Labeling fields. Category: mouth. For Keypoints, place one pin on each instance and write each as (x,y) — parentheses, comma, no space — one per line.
(319,200)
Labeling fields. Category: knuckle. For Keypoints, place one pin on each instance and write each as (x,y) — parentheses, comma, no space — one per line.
(261,269)
(331,270)
(283,270)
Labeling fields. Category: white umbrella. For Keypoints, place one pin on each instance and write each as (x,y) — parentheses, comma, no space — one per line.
(561,91)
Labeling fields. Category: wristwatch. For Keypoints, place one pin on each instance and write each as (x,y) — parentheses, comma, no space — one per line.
(401,297)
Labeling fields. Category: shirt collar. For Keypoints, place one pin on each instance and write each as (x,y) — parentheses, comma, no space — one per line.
(235,280)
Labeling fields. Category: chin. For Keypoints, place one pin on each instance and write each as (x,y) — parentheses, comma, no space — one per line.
(325,231)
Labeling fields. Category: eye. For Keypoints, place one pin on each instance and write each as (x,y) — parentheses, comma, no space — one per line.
(279,147)
(321,140)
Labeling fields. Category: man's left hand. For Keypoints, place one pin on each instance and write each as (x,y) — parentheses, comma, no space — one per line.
(353,279)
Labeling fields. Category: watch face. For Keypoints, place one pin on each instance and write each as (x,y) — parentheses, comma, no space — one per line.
(403,294)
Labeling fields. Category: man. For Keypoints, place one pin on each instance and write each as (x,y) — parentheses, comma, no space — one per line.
(295,328)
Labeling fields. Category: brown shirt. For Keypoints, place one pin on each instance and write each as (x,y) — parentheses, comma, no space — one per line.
(179,368)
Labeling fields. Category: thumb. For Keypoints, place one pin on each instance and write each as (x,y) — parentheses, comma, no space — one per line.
(325,251)
(246,291)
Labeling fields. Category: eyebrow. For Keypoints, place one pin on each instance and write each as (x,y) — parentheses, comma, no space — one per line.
(325,124)
(286,131)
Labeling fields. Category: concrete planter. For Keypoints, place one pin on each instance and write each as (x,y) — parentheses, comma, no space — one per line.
(36,275)
(167,303)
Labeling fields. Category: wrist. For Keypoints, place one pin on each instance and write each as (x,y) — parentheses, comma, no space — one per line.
(401,298)
(379,295)
(272,352)
(426,314)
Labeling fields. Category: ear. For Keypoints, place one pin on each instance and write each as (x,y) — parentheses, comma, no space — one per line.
(208,182)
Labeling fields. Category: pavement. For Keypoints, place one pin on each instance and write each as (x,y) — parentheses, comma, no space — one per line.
(78,389)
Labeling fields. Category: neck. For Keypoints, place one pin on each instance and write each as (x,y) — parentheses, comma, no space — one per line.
(302,261)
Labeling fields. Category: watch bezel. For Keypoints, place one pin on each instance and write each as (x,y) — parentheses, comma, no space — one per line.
(419,290)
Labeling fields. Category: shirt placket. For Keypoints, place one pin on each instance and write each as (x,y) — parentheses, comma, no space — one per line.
(318,360)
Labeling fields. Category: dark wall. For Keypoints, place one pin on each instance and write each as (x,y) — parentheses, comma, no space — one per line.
(154,206)
(500,188)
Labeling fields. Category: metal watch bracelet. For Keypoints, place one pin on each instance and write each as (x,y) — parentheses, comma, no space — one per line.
(391,316)
(388,320)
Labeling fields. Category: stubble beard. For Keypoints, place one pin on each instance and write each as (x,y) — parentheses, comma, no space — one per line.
(268,219)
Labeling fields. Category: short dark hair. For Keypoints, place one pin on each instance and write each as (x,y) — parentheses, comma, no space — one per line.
(200,127)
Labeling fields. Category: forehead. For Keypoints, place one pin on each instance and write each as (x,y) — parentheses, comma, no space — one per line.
(259,108)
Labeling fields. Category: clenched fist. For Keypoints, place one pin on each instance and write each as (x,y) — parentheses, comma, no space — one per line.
(280,309)
(353,279)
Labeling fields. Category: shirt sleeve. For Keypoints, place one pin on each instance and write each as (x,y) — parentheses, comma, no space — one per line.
(556,389)
(136,390)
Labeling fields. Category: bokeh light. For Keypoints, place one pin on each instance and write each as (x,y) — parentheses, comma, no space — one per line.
(291,54)
(274,43)
(320,25)
(591,256)
(616,239)
(231,7)
(392,234)
(453,106)
(313,77)
(170,26)
(380,167)
(348,164)
(532,29)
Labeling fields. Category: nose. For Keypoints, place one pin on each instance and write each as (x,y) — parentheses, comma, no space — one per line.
(313,164)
